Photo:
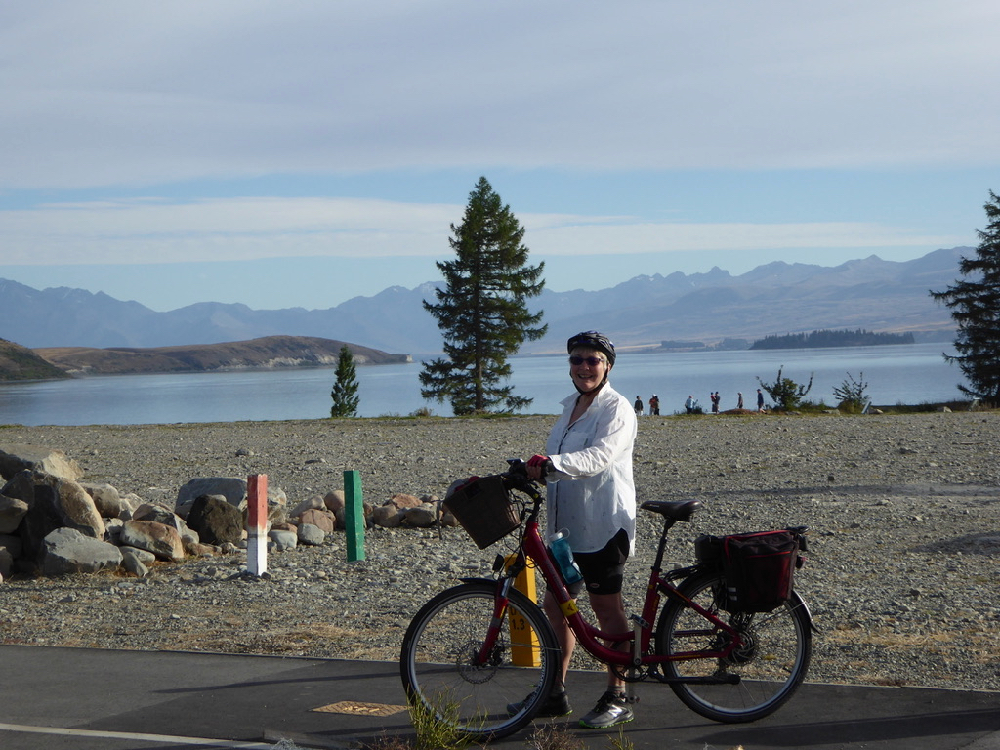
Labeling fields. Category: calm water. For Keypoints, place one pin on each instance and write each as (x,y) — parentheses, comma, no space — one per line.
(895,374)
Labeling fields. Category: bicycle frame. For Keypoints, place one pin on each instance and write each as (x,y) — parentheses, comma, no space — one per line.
(588,636)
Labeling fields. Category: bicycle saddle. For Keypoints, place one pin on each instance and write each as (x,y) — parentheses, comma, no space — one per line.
(678,510)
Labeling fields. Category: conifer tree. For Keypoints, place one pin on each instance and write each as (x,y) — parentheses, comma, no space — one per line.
(481,309)
(345,389)
(975,307)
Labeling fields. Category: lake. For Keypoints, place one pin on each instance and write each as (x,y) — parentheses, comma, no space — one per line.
(909,374)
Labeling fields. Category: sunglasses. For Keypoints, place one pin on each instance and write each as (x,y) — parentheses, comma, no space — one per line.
(592,361)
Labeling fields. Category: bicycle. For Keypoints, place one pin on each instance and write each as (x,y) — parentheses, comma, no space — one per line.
(473,652)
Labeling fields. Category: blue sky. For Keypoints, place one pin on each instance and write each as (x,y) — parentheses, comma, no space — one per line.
(297,154)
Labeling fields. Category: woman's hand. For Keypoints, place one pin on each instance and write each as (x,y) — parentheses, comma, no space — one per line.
(537,467)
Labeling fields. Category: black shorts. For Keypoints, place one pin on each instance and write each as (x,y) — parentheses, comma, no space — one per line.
(604,570)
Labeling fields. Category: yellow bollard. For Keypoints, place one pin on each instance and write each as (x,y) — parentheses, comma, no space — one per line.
(523,641)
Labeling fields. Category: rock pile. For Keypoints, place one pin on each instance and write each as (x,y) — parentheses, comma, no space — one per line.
(53,523)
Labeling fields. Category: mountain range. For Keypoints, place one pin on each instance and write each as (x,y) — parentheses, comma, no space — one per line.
(776,298)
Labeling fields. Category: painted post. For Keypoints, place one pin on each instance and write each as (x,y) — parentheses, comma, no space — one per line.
(257,524)
(523,641)
(354,516)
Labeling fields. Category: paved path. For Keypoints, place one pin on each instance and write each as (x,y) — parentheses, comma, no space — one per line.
(90,699)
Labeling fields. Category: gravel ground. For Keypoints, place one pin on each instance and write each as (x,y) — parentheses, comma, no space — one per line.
(902,572)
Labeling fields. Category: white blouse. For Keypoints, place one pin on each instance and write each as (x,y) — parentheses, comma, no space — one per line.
(592,493)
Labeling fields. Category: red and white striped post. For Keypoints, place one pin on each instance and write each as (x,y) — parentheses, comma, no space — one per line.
(257,524)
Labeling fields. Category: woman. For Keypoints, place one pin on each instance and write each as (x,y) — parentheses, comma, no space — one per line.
(591,494)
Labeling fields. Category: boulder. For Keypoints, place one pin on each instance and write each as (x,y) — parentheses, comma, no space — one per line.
(6,563)
(42,518)
(12,544)
(282,540)
(387,516)
(132,563)
(312,503)
(75,506)
(12,510)
(67,550)
(215,520)
(311,534)
(234,490)
(323,519)
(402,500)
(334,501)
(17,458)
(106,498)
(422,517)
(162,540)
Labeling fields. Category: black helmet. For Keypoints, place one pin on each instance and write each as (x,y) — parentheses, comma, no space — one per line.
(593,340)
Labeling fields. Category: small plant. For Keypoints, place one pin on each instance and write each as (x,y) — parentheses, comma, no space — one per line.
(622,742)
(785,392)
(435,725)
(851,394)
(552,737)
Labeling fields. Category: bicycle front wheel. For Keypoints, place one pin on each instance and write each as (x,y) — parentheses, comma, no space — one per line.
(770,664)
(447,683)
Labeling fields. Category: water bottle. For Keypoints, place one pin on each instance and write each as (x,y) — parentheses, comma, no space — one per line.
(564,556)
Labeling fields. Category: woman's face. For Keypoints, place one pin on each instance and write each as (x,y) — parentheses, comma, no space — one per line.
(587,368)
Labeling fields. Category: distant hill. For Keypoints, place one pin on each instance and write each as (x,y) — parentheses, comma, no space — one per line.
(264,353)
(778,298)
(18,363)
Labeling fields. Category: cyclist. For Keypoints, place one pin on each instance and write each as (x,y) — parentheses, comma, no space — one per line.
(590,492)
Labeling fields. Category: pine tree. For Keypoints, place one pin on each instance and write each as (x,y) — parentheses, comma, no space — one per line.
(345,389)
(975,307)
(481,310)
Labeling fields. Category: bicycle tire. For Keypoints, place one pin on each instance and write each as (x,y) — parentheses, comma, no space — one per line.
(480,702)
(771,665)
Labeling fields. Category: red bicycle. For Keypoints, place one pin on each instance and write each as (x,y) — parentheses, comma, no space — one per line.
(473,652)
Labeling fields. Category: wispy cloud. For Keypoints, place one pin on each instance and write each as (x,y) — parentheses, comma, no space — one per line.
(149,230)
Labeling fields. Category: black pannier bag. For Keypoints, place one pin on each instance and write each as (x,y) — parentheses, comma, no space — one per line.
(758,567)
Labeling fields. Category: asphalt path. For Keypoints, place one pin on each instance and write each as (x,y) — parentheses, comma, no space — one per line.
(92,699)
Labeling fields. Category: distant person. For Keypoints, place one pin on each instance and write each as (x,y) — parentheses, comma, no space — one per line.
(760,400)
(739,400)
(690,403)
(638,406)
(716,399)
(654,406)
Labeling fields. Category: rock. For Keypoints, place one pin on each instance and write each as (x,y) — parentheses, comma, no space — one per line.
(282,540)
(215,520)
(387,516)
(12,544)
(6,563)
(106,498)
(67,550)
(402,500)
(75,506)
(422,517)
(334,500)
(234,490)
(311,534)
(42,517)
(143,556)
(12,510)
(162,540)
(17,458)
(134,565)
(197,549)
(314,502)
(323,519)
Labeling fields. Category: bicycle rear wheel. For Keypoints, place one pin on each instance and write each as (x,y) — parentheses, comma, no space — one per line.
(443,682)
(771,664)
